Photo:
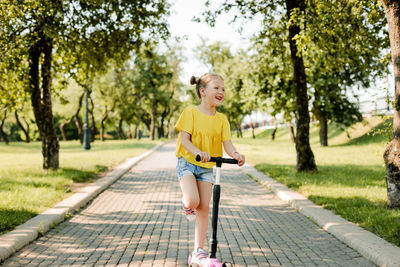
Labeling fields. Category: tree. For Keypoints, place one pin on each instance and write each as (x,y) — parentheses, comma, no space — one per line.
(106,93)
(391,155)
(343,45)
(144,89)
(153,75)
(3,117)
(68,106)
(71,36)
(25,129)
(171,105)
(272,73)
(305,156)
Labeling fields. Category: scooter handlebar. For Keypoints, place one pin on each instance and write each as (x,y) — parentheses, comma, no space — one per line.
(219,159)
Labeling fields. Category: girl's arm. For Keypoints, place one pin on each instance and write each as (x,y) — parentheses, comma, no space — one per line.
(188,145)
(231,151)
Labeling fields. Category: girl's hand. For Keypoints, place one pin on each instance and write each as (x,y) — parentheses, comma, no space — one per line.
(240,158)
(205,157)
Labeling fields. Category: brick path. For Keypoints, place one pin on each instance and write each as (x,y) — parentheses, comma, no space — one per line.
(138,222)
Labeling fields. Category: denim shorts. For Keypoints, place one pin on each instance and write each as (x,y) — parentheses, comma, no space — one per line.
(184,168)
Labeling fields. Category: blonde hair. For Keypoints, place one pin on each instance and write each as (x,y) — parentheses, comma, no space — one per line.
(203,81)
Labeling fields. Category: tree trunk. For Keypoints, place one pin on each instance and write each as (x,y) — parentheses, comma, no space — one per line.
(146,120)
(26,131)
(291,133)
(78,121)
(62,125)
(129,134)
(391,155)
(323,128)
(93,129)
(161,130)
(153,121)
(320,113)
(168,134)
(103,119)
(120,131)
(274,132)
(275,129)
(41,101)
(305,156)
(240,131)
(252,130)
(4,137)
(28,138)
(137,131)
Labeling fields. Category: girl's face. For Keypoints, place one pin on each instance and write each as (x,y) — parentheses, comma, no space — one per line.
(214,93)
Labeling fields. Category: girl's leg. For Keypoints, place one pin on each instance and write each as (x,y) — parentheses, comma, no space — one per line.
(205,192)
(190,192)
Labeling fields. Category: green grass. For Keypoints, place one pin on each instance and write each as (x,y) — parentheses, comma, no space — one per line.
(351,175)
(25,190)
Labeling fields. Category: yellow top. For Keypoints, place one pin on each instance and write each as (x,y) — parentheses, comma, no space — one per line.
(207,134)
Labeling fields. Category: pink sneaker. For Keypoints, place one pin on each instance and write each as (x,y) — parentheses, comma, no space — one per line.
(189,213)
(199,256)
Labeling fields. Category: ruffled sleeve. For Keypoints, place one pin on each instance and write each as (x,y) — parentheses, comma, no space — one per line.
(185,121)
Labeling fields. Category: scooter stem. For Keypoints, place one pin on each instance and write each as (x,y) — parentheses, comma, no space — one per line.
(213,240)
(216,197)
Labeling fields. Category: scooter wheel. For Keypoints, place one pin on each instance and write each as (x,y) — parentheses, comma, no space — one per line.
(194,265)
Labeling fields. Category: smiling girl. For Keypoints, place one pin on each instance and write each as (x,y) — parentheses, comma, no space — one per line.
(202,131)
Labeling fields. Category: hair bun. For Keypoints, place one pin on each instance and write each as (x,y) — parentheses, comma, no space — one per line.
(194,80)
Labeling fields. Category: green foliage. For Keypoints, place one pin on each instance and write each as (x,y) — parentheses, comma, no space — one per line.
(69,39)
(155,78)
(384,131)
(272,70)
(133,90)
(343,43)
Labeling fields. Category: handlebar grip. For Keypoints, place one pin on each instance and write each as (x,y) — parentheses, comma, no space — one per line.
(230,161)
(198,158)
(219,159)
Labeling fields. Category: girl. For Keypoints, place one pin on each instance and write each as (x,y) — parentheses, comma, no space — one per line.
(202,131)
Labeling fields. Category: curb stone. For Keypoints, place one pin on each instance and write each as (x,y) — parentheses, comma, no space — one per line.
(366,243)
(38,225)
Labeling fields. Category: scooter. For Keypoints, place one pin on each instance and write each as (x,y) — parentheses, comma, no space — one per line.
(212,261)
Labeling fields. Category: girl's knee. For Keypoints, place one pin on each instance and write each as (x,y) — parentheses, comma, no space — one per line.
(191,203)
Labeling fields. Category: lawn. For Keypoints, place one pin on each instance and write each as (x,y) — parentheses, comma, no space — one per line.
(351,175)
(25,190)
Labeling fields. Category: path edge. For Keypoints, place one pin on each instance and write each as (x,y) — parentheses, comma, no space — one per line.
(40,224)
(369,245)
